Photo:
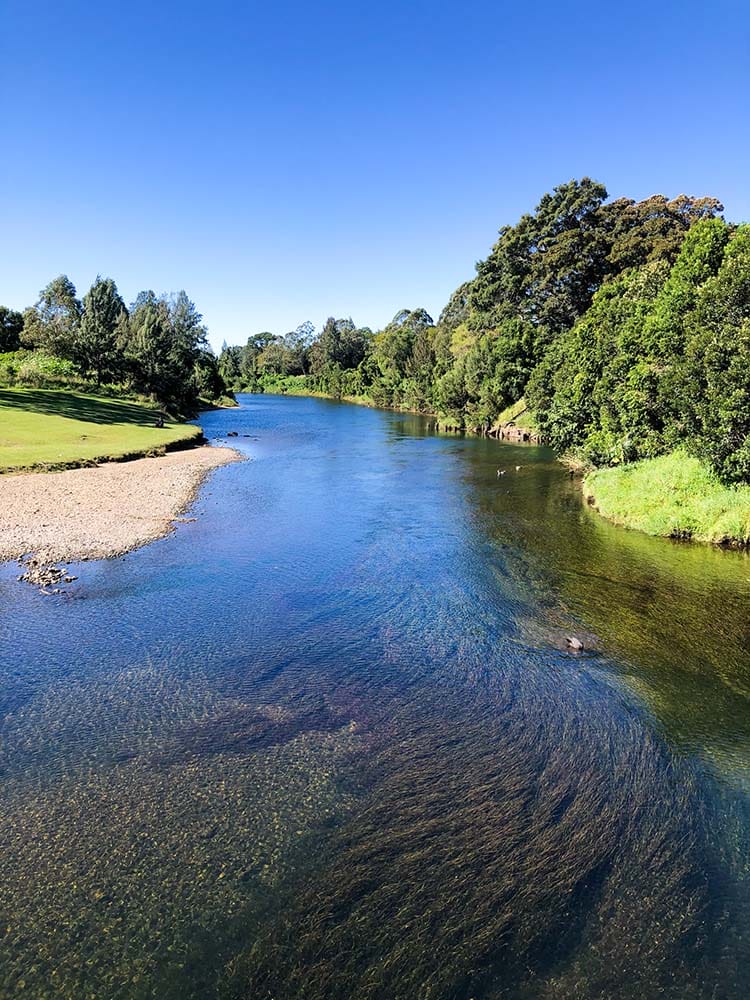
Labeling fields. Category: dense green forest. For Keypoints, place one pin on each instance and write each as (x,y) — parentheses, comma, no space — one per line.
(156,348)
(624,325)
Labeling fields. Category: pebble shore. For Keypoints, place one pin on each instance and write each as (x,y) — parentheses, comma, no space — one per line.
(100,512)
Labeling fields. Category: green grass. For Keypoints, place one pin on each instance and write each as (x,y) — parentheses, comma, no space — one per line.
(519,414)
(675,496)
(53,429)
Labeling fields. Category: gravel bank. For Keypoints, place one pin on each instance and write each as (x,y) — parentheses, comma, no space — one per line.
(100,512)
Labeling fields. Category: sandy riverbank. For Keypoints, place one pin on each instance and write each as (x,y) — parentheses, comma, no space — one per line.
(100,512)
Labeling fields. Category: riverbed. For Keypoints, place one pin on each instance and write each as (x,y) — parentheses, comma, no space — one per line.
(328,740)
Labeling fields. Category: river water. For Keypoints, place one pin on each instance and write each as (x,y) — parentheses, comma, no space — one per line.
(327,741)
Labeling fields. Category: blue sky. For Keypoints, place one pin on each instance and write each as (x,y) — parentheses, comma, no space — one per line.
(290,161)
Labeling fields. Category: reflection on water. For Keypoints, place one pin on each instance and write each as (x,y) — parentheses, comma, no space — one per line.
(325,742)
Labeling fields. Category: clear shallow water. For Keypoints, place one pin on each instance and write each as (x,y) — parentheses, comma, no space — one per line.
(325,741)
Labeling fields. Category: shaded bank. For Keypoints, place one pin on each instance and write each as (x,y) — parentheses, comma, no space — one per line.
(674,496)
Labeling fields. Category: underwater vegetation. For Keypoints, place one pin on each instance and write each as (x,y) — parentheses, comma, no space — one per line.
(536,855)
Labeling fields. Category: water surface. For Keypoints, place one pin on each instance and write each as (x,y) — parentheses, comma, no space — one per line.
(326,741)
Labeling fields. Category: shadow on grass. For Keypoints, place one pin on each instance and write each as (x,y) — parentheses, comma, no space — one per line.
(76,406)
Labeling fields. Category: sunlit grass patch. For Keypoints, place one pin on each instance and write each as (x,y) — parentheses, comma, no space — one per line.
(47,428)
(675,496)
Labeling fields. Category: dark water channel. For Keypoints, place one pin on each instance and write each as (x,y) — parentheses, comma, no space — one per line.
(326,741)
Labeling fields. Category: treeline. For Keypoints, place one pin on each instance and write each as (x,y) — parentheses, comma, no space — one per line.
(157,347)
(625,325)
(661,359)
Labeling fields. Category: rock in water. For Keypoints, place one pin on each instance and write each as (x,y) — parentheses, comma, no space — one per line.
(574,643)
(44,575)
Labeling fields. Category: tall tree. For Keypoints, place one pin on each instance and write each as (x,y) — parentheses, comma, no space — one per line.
(53,322)
(148,344)
(11,325)
(547,267)
(272,360)
(95,346)
(297,344)
(166,347)
(230,365)
(340,344)
(652,229)
(394,346)
(716,376)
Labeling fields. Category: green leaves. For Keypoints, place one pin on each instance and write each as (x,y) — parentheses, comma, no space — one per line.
(11,325)
(715,377)
(164,341)
(95,345)
(53,322)
(615,320)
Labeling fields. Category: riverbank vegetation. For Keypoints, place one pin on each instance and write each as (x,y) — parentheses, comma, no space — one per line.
(619,329)
(155,350)
(58,429)
(675,496)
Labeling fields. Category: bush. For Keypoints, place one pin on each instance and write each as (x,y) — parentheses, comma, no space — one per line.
(39,370)
(9,367)
(36,370)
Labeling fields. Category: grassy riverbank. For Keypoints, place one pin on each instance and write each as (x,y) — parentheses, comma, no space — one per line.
(56,429)
(674,496)
(519,414)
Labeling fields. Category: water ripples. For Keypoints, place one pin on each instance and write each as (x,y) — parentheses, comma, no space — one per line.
(326,741)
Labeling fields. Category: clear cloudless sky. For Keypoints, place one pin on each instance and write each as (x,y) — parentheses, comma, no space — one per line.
(288,160)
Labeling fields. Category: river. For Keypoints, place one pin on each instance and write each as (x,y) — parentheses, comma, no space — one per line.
(327,741)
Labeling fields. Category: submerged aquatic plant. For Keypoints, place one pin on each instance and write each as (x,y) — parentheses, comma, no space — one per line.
(548,851)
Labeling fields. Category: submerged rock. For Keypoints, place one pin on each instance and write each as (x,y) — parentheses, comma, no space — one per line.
(44,575)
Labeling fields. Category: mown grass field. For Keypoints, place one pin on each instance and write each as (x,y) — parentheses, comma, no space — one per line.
(53,429)
(674,496)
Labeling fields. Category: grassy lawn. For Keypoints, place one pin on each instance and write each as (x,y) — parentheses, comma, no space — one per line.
(675,496)
(48,428)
